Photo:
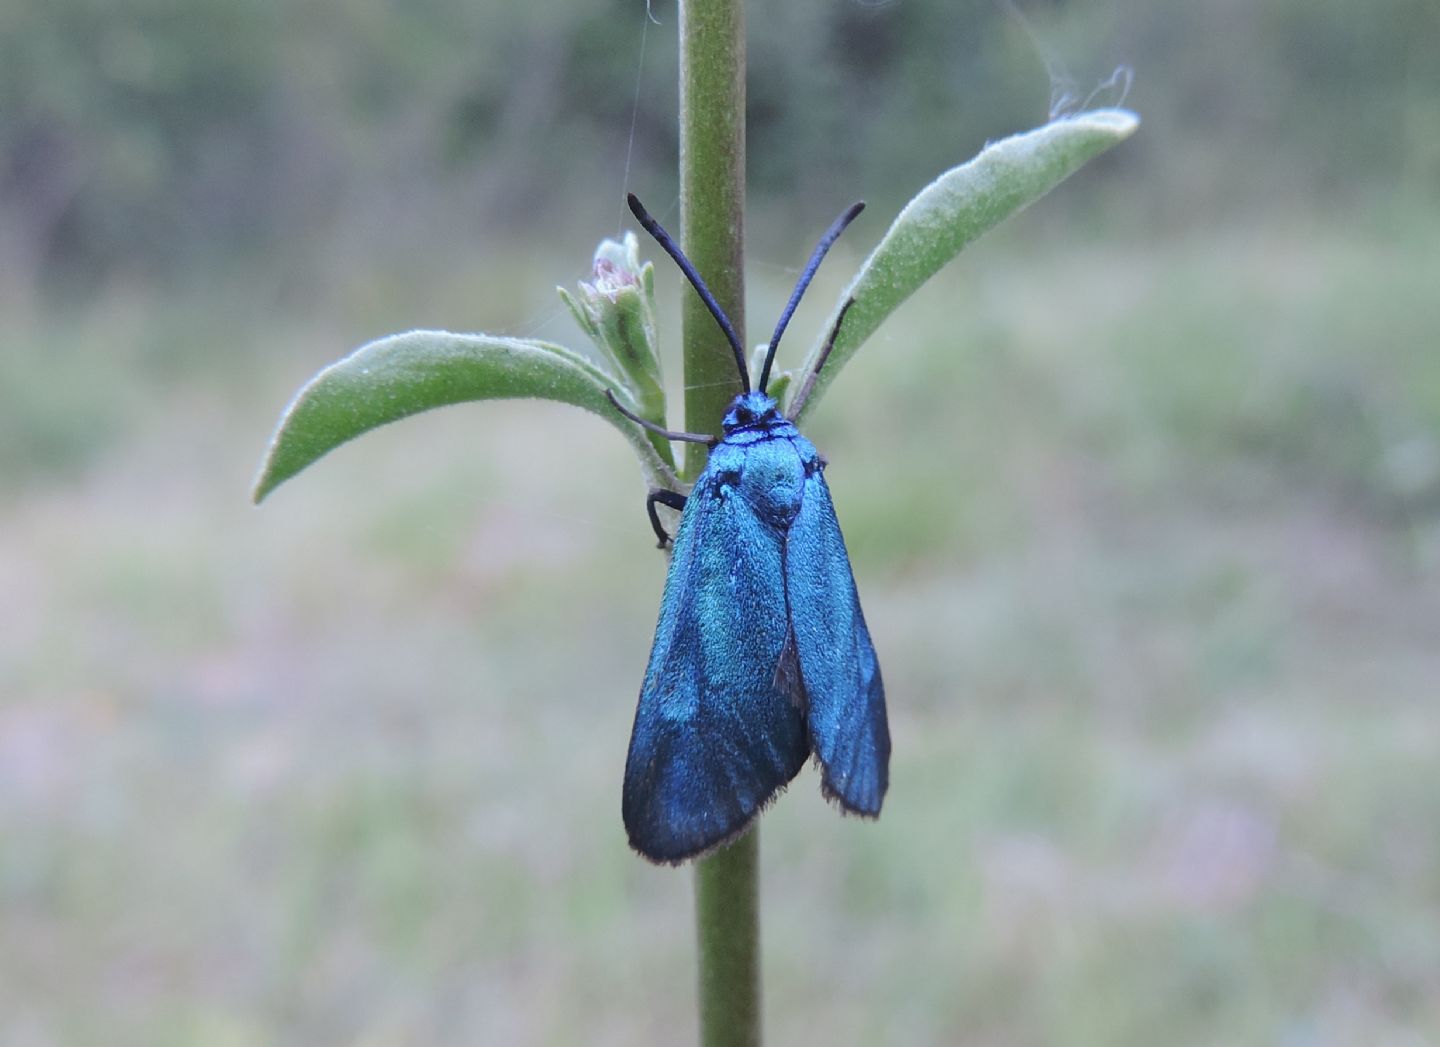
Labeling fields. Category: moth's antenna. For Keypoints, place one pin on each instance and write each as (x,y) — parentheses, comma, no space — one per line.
(798,404)
(669,434)
(816,257)
(673,250)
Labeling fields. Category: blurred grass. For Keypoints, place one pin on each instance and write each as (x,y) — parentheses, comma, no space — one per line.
(1148,534)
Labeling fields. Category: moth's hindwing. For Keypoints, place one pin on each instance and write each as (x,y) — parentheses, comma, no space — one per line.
(846,697)
(714,738)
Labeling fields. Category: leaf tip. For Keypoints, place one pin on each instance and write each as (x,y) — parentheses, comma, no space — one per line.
(265,480)
(1116,122)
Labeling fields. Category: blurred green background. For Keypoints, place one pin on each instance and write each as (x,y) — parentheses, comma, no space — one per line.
(1143,495)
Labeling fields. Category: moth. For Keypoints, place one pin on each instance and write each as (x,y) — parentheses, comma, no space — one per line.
(761,656)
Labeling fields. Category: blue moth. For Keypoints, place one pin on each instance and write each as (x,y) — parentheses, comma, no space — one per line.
(761,655)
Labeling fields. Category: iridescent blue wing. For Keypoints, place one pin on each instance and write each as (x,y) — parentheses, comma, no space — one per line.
(844,692)
(716,736)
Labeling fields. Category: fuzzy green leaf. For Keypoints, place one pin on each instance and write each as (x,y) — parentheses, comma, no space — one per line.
(951,212)
(405,374)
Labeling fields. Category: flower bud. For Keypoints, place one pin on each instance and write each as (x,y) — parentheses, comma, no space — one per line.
(617,310)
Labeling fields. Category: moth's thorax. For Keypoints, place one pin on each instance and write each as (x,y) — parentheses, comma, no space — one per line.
(764,459)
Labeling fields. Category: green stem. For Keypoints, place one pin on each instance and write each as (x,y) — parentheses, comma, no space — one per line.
(727,924)
(712,204)
(712,220)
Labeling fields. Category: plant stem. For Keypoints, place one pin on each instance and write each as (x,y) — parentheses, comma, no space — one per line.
(712,220)
(727,924)
(712,204)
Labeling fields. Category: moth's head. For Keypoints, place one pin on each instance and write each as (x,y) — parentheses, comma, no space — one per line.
(749,411)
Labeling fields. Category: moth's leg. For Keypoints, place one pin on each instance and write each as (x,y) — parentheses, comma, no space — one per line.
(670,498)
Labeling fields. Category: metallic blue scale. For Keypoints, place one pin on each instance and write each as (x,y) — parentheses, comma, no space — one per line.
(761,654)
